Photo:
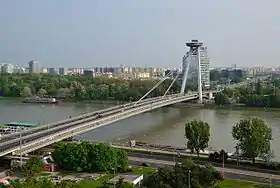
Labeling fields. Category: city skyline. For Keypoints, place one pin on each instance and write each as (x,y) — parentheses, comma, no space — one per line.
(109,33)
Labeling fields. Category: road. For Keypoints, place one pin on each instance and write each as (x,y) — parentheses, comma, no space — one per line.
(24,133)
(228,173)
(7,143)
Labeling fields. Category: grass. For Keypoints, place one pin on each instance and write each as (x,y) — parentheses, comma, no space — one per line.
(242,184)
(228,183)
(97,183)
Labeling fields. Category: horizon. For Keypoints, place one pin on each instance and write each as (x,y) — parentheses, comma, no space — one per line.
(138,33)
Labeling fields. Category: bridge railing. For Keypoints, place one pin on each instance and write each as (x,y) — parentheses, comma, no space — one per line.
(82,120)
(96,124)
(76,118)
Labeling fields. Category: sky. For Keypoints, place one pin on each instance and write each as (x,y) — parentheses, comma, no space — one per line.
(89,33)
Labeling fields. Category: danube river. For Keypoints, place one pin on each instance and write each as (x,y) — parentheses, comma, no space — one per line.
(163,126)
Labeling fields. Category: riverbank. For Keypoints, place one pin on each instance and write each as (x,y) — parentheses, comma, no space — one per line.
(238,107)
(11,98)
(109,102)
(225,107)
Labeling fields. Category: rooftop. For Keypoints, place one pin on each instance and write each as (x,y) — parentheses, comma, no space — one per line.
(128,178)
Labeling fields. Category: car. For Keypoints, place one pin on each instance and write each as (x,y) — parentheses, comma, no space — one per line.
(145,164)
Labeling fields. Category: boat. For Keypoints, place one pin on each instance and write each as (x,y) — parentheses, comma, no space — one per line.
(4,130)
(41,100)
(19,126)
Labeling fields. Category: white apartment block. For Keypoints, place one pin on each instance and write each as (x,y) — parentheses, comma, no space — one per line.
(205,66)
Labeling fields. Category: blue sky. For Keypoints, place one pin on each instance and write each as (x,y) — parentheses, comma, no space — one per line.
(87,33)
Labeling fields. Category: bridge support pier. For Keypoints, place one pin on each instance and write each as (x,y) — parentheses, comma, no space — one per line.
(192,58)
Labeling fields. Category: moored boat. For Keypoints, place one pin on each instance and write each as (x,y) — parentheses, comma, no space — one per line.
(41,100)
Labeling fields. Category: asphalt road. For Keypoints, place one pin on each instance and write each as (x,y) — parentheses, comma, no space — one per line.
(157,161)
(11,142)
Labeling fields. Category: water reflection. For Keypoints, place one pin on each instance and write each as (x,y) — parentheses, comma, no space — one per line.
(161,126)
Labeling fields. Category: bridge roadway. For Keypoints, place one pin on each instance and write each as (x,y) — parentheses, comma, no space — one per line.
(15,138)
(7,138)
(42,138)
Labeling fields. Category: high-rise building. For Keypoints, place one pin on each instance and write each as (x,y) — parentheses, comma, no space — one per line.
(205,66)
(34,67)
(7,68)
(62,71)
(192,71)
(52,71)
(89,72)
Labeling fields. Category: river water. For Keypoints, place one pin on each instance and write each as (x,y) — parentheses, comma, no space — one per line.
(162,126)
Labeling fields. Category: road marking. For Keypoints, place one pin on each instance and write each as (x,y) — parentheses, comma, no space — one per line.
(235,171)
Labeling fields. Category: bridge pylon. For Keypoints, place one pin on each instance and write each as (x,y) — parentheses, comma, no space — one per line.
(192,57)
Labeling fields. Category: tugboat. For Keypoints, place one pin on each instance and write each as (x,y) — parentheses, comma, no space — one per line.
(41,100)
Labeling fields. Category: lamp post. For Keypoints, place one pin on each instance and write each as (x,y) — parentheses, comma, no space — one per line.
(189,177)
(237,152)
(114,177)
(223,163)
(174,160)
(20,145)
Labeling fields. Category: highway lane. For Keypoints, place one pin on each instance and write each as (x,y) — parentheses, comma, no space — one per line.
(81,119)
(79,129)
(69,120)
(228,173)
(216,164)
(15,142)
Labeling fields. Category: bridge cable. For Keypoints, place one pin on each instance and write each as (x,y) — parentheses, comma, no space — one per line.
(155,86)
(174,80)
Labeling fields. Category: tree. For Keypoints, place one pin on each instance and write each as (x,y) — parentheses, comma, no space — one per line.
(42,92)
(179,175)
(77,87)
(33,166)
(221,99)
(197,133)
(253,136)
(89,157)
(26,92)
(259,87)
(33,182)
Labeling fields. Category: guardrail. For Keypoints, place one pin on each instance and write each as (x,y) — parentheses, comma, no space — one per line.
(79,121)
(26,148)
(13,137)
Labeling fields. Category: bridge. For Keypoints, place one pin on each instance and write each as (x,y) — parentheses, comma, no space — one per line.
(30,140)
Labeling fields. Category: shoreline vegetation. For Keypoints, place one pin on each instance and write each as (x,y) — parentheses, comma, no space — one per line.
(263,95)
(189,105)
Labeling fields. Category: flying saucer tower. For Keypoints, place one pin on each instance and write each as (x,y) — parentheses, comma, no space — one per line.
(192,58)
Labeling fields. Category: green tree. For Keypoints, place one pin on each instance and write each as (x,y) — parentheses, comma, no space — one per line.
(33,183)
(42,92)
(197,133)
(179,176)
(26,92)
(259,87)
(33,166)
(77,87)
(221,99)
(253,136)
(89,157)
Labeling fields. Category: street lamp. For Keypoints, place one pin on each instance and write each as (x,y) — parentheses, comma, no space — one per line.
(20,144)
(189,174)
(237,152)
(114,177)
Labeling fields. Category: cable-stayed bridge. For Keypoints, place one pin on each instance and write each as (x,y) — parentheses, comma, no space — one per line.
(39,137)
